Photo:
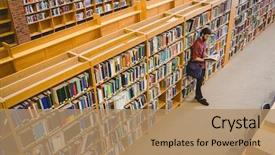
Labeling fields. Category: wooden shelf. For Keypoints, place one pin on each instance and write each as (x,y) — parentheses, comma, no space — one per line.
(70,16)
(2,35)
(35,34)
(3,8)
(113,44)
(29,82)
(185,7)
(161,23)
(47,30)
(5,21)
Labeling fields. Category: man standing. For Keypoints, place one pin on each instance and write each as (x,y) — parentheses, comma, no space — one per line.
(198,53)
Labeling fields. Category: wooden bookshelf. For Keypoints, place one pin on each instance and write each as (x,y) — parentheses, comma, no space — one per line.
(41,49)
(46,17)
(7,33)
(252,17)
(24,84)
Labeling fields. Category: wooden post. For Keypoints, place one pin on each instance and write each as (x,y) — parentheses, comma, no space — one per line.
(143,9)
(230,29)
(7,48)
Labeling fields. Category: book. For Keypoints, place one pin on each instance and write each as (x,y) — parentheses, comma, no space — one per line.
(87,2)
(80,16)
(99,10)
(214,57)
(170,93)
(154,104)
(111,67)
(42,5)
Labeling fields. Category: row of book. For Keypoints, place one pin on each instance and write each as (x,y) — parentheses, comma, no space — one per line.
(252,16)
(165,55)
(171,93)
(85,101)
(187,56)
(155,90)
(79,5)
(123,97)
(163,71)
(193,24)
(111,67)
(215,24)
(80,16)
(42,5)
(161,41)
(221,9)
(37,17)
(190,38)
(154,105)
(42,101)
(171,79)
(65,92)
(189,85)
(121,81)
(138,103)
(220,33)
(71,88)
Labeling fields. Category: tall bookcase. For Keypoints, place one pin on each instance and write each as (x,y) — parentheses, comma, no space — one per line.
(217,44)
(253,16)
(47,16)
(7,33)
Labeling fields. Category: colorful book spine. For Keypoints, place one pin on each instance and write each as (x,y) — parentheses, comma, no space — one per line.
(71,88)
(165,55)
(171,92)
(111,67)
(163,71)
(163,40)
(121,81)
(171,80)
(131,92)
(137,103)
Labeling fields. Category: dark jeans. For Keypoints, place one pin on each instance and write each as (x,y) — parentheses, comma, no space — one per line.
(199,84)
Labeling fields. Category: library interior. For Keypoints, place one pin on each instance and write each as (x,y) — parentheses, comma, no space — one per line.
(100,55)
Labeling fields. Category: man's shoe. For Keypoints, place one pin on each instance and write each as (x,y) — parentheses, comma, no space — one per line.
(198,99)
(203,102)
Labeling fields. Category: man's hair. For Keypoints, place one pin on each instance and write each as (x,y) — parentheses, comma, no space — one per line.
(205,31)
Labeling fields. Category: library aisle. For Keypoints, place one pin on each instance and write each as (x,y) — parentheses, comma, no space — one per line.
(253,82)
(252,85)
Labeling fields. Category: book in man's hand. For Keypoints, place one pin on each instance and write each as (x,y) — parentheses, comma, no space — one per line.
(213,57)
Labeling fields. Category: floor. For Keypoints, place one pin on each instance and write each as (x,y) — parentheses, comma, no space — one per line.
(246,82)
